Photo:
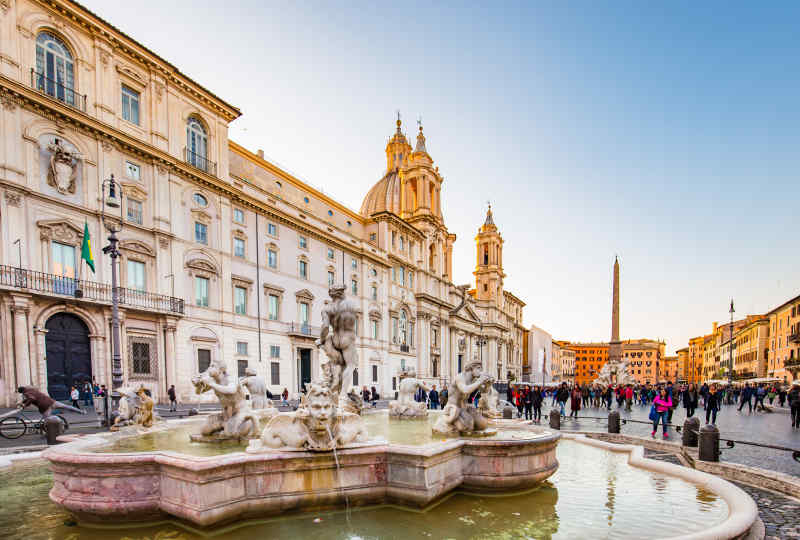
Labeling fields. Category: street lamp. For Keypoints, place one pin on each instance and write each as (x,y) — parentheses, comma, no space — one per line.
(730,346)
(111,198)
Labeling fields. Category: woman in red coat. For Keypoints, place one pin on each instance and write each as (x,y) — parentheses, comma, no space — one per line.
(575,402)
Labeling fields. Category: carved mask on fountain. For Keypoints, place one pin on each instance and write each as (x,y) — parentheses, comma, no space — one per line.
(319,407)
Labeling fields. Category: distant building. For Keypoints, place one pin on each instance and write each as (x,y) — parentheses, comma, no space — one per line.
(540,355)
(683,364)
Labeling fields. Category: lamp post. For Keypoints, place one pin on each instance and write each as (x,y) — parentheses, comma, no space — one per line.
(111,199)
(730,347)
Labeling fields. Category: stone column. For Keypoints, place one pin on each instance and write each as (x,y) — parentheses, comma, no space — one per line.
(41,357)
(22,359)
(97,348)
(169,352)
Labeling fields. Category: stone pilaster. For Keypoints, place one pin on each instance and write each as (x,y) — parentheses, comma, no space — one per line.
(41,357)
(22,361)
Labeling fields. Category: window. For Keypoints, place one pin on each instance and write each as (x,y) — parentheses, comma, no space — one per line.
(373,272)
(203,359)
(304,312)
(401,275)
(63,260)
(136,279)
(201,291)
(200,200)
(200,233)
(374,328)
(274,351)
(354,264)
(354,286)
(275,373)
(411,279)
(355,377)
(238,247)
(394,330)
(55,71)
(272,258)
(330,213)
(273,307)
(330,253)
(372,237)
(196,144)
(435,339)
(241,348)
(133,171)
(374,373)
(238,215)
(374,292)
(240,300)
(130,105)
(402,243)
(331,278)
(140,356)
(241,368)
(303,242)
(272,229)
(134,211)
(305,200)
(304,269)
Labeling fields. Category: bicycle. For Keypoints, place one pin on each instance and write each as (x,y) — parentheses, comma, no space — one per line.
(14,427)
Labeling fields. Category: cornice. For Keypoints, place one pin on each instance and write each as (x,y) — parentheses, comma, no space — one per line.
(122,43)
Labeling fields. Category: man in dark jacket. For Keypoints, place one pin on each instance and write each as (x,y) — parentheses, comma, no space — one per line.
(561,397)
(747,396)
(46,405)
(173,400)
(433,397)
(794,404)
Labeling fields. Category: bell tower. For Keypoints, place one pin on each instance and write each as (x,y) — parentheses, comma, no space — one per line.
(489,265)
(397,149)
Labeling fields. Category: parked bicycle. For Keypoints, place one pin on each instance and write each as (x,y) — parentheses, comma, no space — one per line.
(14,427)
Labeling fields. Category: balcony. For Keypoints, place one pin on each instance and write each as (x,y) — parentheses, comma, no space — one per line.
(200,162)
(303,330)
(58,91)
(795,337)
(91,291)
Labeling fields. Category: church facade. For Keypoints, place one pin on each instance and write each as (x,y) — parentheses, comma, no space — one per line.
(224,256)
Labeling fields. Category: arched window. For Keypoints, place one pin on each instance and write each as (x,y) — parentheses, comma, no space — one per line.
(196,144)
(55,69)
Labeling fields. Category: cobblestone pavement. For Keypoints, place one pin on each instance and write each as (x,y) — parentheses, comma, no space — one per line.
(778,512)
(766,428)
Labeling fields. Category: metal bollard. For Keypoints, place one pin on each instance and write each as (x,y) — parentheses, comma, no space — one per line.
(508,413)
(53,427)
(555,420)
(709,443)
(613,422)
(690,428)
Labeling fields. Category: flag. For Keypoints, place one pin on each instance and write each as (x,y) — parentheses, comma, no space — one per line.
(86,250)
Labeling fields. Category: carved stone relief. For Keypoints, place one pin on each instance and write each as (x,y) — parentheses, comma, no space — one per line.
(61,168)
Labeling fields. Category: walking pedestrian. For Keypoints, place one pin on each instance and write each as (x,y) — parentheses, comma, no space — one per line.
(761,393)
(443,396)
(794,404)
(690,399)
(712,404)
(74,395)
(561,397)
(628,397)
(575,402)
(173,398)
(782,396)
(536,403)
(747,394)
(662,404)
(433,397)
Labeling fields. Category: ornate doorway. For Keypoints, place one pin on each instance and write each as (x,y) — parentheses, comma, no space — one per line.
(69,359)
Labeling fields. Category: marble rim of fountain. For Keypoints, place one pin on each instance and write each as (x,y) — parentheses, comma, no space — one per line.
(742,510)
(210,490)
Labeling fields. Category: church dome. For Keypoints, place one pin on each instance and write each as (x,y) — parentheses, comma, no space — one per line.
(384,196)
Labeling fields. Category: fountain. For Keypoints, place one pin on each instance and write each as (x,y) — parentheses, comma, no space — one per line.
(326,455)
(135,408)
(405,406)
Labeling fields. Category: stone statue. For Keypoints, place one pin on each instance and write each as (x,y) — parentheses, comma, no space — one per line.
(237,420)
(257,387)
(135,408)
(461,418)
(487,404)
(337,338)
(63,168)
(405,406)
(316,425)
(46,405)
(614,372)
(354,402)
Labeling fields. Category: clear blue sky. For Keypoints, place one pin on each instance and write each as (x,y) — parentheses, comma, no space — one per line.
(664,132)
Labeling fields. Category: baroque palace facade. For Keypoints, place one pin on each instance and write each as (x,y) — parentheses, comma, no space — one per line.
(224,256)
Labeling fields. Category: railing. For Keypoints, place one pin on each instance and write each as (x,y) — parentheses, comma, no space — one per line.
(303,329)
(32,280)
(199,162)
(792,363)
(795,337)
(57,90)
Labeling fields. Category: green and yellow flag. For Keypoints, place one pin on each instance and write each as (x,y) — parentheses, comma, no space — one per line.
(86,250)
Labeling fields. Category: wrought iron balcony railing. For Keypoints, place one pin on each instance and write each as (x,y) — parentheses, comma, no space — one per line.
(57,90)
(795,337)
(40,282)
(199,162)
(303,329)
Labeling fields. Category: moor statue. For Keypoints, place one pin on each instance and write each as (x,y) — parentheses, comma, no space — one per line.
(337,338)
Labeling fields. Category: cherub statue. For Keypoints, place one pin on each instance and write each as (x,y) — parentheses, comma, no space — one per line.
(405,406)
(237,420)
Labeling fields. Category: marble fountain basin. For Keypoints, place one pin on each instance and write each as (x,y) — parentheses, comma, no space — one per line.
(130,476)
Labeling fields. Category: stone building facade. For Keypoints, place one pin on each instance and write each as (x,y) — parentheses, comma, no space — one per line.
(224,256)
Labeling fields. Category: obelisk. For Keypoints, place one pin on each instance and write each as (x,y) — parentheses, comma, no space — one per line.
(615,346)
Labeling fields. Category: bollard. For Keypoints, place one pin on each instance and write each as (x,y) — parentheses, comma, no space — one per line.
(555,420)
(613,422)
(508,413)
(53,427)
(709,443)
(690,428)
